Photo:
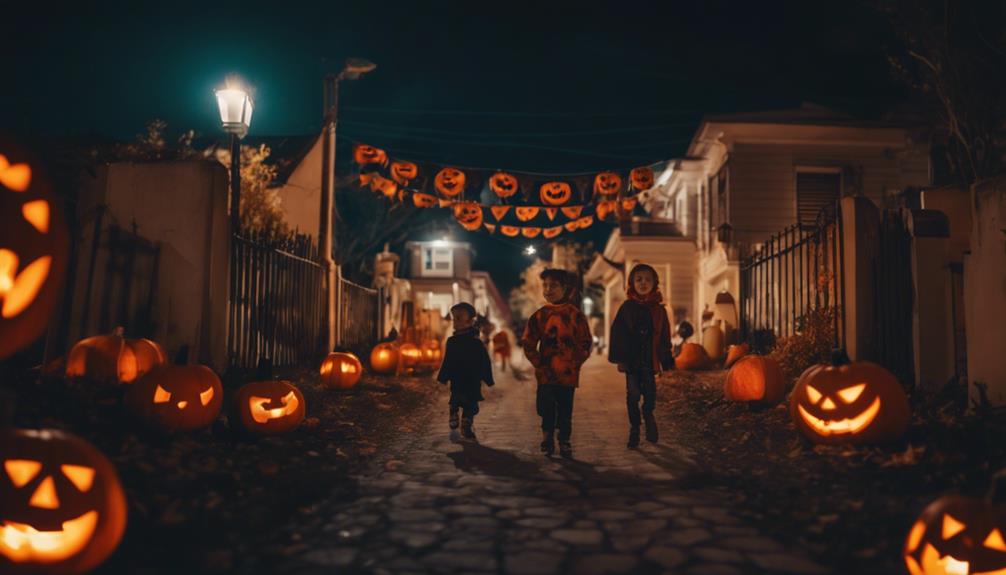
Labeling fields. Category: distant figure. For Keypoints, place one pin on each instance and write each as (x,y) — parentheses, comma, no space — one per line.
(466,365)
(684,331)
(597,330)
(501,348)
(557,341)
(641,346)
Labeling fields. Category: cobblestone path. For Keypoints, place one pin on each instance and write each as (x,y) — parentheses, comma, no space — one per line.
(437,504)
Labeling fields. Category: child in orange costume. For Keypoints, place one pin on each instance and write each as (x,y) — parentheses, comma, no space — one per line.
(557,341)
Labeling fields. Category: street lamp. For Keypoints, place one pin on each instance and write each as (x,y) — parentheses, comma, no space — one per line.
(235,115)
(354,68)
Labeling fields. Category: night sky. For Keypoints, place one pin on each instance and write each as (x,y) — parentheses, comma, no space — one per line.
(551,88)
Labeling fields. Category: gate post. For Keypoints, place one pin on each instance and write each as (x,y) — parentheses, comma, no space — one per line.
(860,230)
(932,330)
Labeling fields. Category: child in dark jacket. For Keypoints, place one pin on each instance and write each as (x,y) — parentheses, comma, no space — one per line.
(466,365)
(557,341)
(641,346)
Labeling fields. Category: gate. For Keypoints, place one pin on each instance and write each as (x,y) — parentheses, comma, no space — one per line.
(893,297)
(358,328)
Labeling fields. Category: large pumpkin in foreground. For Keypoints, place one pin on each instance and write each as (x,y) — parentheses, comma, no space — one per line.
(269,407)
(957,534)
(177,397)
(62,509)
(692,357)
(341,370)
(755,378)
(849,403)
(113,358)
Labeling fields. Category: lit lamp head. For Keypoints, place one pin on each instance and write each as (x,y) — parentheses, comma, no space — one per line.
(235,110)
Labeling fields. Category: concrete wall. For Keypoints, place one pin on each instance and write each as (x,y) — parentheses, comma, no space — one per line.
(182,208)
(300,196)
(985,292)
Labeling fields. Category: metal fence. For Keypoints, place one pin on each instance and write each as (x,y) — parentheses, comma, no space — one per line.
(359,315)
(893,291)
(960,333)
(276,305)
(796,272)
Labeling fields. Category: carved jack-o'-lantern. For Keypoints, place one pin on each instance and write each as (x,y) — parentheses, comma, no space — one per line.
(605,208)
(176,397)
(422,200)
(62,509)
(692,357)
(384,358)
(957,534)
(33,250)
(113,359)
(755,378)
(403,172)
(503,184)
(449,182)
(641,178)
(607,183)
(269,407)
(510,231)
(849,403)
(526,213)
(364,155)
(431,353)
(410,355)
(469,215)
(555,193)
(341,370)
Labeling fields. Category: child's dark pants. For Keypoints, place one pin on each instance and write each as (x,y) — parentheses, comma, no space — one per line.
(469,408)
(555,406)
(639,384)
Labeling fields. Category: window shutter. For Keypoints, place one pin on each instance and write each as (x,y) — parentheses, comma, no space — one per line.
(814,191)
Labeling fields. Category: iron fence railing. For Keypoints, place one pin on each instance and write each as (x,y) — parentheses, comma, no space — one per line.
(359,315)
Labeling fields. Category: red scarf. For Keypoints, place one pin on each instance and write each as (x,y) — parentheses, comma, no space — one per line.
(654,301)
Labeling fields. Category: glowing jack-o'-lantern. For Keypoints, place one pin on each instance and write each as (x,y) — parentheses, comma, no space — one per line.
(503,184)
(607,183)
(958,535)
(431,353)
(755,378)
(176,397)
(849,403)
(33,250)
(384,358)
(269,407)
(62,509)
(555,193)
(449,182)
(113,358)
(341,370)
(403,172)
(364,154)
(410,355)
(692,357)
(641,178)
(468,215)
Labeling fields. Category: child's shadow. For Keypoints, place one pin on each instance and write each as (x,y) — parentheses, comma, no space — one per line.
(478,458)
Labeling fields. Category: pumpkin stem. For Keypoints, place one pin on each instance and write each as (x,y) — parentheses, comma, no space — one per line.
(997,491)
(839,357)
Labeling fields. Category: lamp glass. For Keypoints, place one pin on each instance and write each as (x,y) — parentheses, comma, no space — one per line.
(235,109)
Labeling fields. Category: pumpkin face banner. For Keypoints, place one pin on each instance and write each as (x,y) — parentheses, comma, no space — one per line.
(628,204)
(177,397)
(383,186)
(491,228)
(269,407)
(551,213)
(849,403)
(384,358)
(525,213)
(62,508)
(364,154)
(607,183)
(555,193)
(33,250)
(585,222)
(957,534)
(510,231)
(572,212)
(450,182)
(641,178)
(605,208)
(469,215)
(403,172)
(755,378)
(113,359)
(341,370)
(422,200)
(550,233)
(499,211)
(530,232)
(503,184)
(572,226)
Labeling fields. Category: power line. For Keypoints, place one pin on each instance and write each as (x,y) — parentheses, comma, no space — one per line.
(489,113)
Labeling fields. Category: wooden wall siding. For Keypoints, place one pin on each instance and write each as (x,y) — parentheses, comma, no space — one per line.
(763,181)
(680,254)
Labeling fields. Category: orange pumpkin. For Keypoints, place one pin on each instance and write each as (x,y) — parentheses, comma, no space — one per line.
(449,182)
(526,213)
(957,534)
(341,370)
(410,355)
(510,231)
(176,397)
(364,154)
(755,378)
(62,508)
(555,193)
(269,407)
(33,250)
(607,183)
(692,357)
(403,172)
(735,352)
(422,200)
(605,208)
(641,178)
(469,215)
(503,184)
(431,353)
(849,403)
(384,358)
(113,358)
(628,204)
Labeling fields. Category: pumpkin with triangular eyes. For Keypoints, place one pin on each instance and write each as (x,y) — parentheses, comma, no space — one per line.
(62,508)
(607,183)
(503,184)
(956,534)
(845,402)
(555,193)
(33,249)
(641,178)
(269,407)
(449,182)
(176,397)
(469,215)
(341,370)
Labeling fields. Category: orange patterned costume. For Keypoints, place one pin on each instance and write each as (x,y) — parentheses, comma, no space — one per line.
(557,341)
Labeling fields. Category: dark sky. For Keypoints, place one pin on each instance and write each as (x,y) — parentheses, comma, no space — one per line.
(544,86)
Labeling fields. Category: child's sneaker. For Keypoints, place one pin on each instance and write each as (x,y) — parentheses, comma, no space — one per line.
(565,450)
(452,421)
(548,443)
(633,437)
(466,429)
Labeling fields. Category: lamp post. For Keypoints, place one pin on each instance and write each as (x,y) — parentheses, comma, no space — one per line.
(354,68)
(235,115)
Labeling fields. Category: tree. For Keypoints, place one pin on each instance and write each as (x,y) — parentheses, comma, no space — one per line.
(260,204)
(526,298)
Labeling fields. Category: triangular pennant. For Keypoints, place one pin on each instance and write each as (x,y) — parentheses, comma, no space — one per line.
(510,231)
(526,213)
(551,213)
(499,211)
(572,212)
(571,226)
(530,232)
(552,232)
(490,227)
(585,222)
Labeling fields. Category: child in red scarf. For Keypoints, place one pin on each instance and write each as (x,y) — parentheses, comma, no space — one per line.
(641,346)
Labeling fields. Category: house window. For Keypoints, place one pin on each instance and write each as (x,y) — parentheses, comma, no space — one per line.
(815,189)
(438,262)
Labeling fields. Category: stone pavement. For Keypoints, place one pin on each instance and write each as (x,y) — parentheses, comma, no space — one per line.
(437,504)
